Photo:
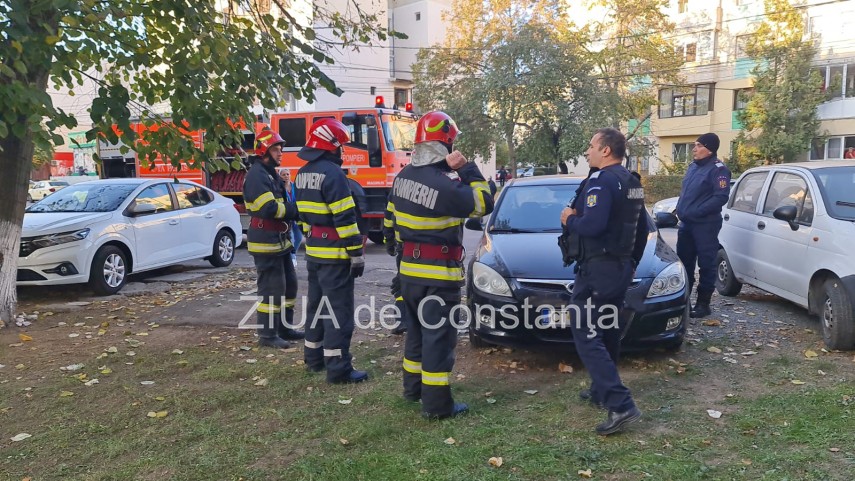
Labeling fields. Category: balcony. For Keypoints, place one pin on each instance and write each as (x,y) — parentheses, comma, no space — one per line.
(841,108)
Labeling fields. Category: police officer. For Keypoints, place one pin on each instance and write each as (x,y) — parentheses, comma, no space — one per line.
(609,222)
(705,190)
(430,199)
(392,241)
(269,242)
(333,252)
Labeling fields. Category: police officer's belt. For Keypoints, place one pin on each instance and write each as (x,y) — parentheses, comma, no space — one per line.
(418,250)
(324,232)
(271,225)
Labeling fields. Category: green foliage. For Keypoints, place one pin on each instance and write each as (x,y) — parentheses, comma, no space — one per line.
(658,187)
(159,60)
(780,119)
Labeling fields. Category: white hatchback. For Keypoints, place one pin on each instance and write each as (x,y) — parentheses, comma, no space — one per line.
(788,229)
(100,231)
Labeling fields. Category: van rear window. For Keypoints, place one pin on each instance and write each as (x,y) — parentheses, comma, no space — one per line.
(293,132)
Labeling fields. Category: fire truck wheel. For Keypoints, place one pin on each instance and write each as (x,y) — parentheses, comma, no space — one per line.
(224,249)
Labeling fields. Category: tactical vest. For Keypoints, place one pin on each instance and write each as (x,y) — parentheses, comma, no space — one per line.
(619,238)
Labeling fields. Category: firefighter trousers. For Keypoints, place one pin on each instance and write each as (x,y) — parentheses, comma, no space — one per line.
(329,319)
(396,293)
(429,347)
(276,278)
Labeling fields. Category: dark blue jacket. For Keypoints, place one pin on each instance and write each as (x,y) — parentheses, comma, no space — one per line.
(705,190)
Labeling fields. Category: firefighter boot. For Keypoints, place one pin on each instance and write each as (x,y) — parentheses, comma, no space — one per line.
(702,305)
(285,331)
(267,338)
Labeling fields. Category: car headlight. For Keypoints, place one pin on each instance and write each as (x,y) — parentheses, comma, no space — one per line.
(487,280)
(670,280)
(659,208)
(59,238)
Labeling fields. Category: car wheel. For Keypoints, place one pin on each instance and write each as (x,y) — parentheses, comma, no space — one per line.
(836,316)
(376,237)
(476,341)
(224,249)
(109,271)
(725,282)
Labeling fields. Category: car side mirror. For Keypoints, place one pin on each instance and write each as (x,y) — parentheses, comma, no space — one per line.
(473,223)
(665,219)
(787,213)
(141,209)
(372,140)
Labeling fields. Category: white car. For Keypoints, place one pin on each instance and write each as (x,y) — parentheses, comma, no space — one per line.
(100,231)
(43,188)
(788,230)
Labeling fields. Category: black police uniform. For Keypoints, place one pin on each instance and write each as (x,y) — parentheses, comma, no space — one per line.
(429,204)
(613,232)
(269,243)
(328,211)
(392,241)
(704,192)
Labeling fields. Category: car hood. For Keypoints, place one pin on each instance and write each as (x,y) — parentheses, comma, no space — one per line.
(42,223)
(537,256)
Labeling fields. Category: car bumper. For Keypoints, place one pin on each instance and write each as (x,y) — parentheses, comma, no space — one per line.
(44,266)
(644,323)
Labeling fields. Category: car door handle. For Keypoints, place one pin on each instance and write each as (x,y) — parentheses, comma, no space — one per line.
(173,222)
(209,215)
(726,216)
(761,225)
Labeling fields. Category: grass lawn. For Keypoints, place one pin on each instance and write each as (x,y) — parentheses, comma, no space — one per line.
(231,412)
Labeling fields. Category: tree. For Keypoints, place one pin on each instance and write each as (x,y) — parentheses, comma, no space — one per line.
(780,119)
(203,65)
(505,73)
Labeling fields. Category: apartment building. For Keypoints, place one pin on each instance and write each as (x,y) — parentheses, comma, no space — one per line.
(711,37)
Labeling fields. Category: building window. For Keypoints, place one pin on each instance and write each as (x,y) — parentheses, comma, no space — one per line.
(402,97)
(741,98)
(682,152)
(418,16)
(840,79)
(834,148)
(742,46)
(682,6)
(686,101)
(691,52)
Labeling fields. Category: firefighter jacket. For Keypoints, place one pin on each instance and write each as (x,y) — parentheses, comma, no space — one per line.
(428,205)
(271,213)
(327,211)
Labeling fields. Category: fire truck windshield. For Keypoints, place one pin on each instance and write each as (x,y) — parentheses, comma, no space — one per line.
(399,132)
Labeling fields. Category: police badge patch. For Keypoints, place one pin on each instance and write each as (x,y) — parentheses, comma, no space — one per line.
(591,201)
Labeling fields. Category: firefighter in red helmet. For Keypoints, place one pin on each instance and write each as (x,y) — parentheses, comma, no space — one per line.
(268,241)
(334,255)
(430,200)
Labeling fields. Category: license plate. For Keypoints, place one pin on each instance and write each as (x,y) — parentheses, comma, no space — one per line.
(554,318)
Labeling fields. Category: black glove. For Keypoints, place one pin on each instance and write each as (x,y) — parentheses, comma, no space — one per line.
(357,266)
(392,248)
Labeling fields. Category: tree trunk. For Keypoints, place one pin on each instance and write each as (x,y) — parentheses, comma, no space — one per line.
(512,154)
(16,158)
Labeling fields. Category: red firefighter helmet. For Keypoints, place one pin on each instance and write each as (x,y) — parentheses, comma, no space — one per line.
(266,138)
(328,134)
(436,125)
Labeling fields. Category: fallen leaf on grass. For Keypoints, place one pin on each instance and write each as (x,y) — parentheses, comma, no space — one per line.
(160,398)
(810,354)
(183,362)
(146,383)
(450,441)
(586,473)
(91,382)
(20,366)
(495,461)
(72,367)
(21,437)
(345,401)
(245,348)
(106,370)
(177,351)
(344,442)
(66,394)
(261,382)
(834,450)
(24,337)
(73,335)
(565,368)
(797,382)
(491,400)
(112,349)
(714,414)
(158,414)
(714,350)
(531,392)
(712,322)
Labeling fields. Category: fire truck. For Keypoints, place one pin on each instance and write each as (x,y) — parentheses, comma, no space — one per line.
(381,145)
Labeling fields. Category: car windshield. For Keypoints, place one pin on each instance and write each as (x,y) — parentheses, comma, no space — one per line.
(97,197)
(532,208)
(838,191)
(400,132)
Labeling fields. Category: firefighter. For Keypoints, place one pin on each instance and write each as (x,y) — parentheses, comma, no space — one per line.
(392,241)
(269,242)
(429,201)
(334,255)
